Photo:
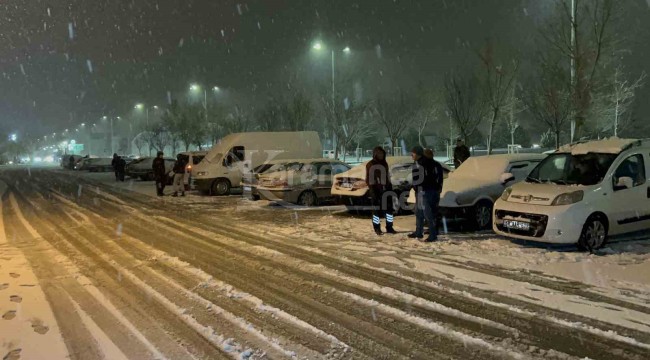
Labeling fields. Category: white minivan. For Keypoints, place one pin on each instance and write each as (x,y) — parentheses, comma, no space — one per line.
(583,193)
(222,167)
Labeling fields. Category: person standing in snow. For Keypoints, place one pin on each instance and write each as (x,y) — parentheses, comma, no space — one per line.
(159,173)
(114,165)
(179,175)
(427,183)
(461,153)
(378,181)
(120,168)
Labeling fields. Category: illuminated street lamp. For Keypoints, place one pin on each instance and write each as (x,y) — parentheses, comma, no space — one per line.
(318,46)
(197,88)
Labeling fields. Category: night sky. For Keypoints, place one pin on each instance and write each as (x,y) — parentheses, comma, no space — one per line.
(67,62)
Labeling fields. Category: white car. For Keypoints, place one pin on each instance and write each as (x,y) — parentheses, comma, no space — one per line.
(471,190)
(583,193)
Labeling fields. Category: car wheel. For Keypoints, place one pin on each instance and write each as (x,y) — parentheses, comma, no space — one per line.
(483,215)
(594,234)
(308,198)
(221,187)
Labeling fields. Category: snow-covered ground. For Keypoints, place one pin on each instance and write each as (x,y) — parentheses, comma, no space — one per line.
(225,277)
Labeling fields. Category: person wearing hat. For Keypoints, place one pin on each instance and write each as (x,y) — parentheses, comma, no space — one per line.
(378,181)
(427,183)
(159,173)
(461,153)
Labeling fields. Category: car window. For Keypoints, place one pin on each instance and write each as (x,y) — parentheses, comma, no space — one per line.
(520,169)
(340,168)
(197,159)
(634,168)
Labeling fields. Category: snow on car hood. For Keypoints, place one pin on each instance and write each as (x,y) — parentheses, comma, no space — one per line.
(461,191)
(539,194)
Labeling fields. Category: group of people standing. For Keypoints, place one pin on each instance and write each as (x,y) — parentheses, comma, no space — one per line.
(427,181)
(160,174)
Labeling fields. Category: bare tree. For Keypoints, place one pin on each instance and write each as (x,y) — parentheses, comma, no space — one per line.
(497,84)
(348,121)
(298,112)
(139,141)
(239,120)
(583,33)
(464,103)
(622,98)
(396,114)
(515,106)
(549,101)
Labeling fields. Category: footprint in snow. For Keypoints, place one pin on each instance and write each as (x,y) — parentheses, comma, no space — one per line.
(9,315)
(15,298)
(14,275)
(39,327)
(4,286)
(12,355)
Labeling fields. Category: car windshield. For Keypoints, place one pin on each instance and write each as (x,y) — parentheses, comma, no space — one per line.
(568,169)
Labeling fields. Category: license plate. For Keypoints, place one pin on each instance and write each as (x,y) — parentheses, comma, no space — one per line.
(346,185)
(247,188)
(516,225)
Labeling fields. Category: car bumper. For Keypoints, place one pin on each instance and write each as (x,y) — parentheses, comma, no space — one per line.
(347,192)
(286,195)
(548,224)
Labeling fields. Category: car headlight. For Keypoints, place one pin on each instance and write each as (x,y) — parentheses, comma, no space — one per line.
(506,194)
(569,198)
(202,173)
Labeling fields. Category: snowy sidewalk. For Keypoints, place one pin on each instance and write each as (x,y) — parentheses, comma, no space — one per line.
(28,328)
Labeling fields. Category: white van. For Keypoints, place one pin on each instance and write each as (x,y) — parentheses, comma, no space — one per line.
(583,193)
(222,167)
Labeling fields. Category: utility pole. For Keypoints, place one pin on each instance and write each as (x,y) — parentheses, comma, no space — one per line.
(574,54)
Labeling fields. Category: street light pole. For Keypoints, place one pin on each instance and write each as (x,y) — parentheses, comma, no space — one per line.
(112,137)
(205,103)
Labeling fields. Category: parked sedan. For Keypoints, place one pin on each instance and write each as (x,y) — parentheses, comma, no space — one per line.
(470,191)
(98,164)
(303,182)
(143,168)
(351,186)
(250,179)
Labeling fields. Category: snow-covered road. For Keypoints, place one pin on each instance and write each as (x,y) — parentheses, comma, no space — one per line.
(129,275)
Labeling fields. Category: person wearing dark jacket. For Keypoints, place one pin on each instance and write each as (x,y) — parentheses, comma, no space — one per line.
(461,153)
(159,173)
(179,174)
(120,168)
(114,165)
(427,183)
(378,181)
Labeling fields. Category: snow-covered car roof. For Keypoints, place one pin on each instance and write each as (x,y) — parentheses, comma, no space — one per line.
(606,146)
(491,166)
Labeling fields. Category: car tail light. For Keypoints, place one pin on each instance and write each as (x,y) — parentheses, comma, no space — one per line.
(359,184)
(279,183)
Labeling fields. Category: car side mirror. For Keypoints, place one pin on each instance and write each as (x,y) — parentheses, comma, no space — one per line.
(623,183)
(506,178)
